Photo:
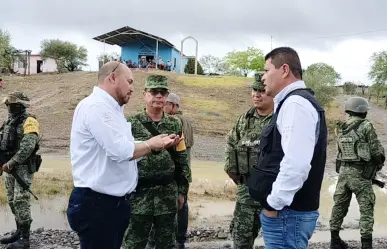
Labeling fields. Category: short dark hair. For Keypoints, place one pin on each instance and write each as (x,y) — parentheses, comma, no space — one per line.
(286,55)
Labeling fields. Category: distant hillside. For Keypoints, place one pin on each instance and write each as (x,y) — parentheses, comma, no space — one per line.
(212,102)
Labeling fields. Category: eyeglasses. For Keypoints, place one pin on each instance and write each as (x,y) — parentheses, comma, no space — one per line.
(156,91)
(116,66)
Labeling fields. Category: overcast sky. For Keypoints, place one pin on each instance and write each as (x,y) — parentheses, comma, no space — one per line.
(321,31)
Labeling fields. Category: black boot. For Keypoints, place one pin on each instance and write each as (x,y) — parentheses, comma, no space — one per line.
(337,242)
(366,243)
(13,237)
(24,242)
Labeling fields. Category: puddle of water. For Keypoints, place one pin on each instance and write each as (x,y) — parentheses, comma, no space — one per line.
(326,204)
(47,213)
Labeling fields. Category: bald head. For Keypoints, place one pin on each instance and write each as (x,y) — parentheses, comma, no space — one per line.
(117,80)
(109,67)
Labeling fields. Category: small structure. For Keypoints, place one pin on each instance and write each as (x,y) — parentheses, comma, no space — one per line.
(143,50)
(37,65)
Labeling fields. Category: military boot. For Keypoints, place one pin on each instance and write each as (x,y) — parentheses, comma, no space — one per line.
(13,237)
(24,241)
(337,242)
(150,245)
(180,245)
(366,243)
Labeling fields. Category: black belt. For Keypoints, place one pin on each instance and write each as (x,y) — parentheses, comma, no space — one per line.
(92,193)
(155,181)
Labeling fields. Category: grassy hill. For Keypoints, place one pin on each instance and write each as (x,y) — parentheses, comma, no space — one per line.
(212,103)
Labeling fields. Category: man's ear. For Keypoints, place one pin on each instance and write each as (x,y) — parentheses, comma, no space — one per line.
(286,70)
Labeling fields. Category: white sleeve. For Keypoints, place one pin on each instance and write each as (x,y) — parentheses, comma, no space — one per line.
(296,123)
(108,133)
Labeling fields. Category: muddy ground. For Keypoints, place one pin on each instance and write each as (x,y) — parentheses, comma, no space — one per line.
(212,232)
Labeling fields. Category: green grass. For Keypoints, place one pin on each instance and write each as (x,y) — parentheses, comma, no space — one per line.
(214,81)
(203,105)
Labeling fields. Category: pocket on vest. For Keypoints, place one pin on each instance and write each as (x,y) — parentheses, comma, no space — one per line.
(260,183)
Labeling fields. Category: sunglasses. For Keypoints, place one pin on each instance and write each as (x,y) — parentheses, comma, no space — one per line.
(156,91)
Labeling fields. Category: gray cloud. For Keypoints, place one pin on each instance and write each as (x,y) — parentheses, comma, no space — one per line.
(294,22)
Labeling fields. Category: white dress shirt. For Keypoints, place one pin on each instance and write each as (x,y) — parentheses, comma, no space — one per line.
(102,145)
(297,123)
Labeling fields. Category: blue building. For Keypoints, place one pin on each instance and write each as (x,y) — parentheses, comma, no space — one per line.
(136,44)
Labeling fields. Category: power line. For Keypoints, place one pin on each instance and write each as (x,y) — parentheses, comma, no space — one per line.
(350,34)
(342,35)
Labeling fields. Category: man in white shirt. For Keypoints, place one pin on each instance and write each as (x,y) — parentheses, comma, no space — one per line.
(103,157)
(287,179)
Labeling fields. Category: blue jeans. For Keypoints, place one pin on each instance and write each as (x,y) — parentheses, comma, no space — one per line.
(290,229)
(99,220)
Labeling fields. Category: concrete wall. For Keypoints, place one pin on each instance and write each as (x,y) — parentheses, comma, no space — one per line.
(49,65)
(176,54)
(135,49)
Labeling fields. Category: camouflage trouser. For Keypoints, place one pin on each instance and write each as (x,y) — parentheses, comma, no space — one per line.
(189,156)
(245,225)
(19,199)
(136,236)
(362,188)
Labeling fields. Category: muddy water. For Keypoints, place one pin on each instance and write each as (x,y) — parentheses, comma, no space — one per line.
(50,213)
(47,213)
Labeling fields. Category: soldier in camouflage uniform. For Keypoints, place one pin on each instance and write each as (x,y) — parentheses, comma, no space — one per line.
(360,156)
(241,153)
(18,147)
(163,175)
(172,108)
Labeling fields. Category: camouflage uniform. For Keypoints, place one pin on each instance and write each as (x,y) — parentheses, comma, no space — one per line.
(182,215)
(241,153)
(358,149)
(18,146)
(162,177)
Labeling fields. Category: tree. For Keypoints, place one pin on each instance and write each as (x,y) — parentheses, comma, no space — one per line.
(378,72)
(106,57)
(68,56)
(246,61)
(322,78)
(190,67)
(212,64)
(349,87)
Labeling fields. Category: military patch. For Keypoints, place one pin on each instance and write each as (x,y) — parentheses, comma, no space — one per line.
(181,146)
(31,125)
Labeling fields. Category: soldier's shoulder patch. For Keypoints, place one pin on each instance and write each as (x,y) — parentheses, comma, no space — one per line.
(31,125)
(181,146)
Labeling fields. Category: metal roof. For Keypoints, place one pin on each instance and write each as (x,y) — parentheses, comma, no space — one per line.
(127,34)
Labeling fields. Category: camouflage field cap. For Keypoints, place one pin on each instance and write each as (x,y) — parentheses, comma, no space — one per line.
(17,97)
(257,84)
(156,81)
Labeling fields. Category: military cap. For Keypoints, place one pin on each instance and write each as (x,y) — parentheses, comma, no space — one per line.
(17,97)
(173,98)
(156,81)
(257,84)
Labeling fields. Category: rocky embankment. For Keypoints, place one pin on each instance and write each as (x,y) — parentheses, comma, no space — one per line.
(218,238)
